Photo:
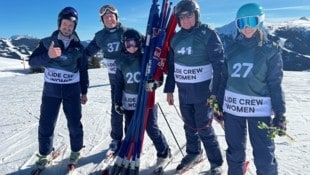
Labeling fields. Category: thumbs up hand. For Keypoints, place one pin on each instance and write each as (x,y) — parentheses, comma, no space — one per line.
(54,52)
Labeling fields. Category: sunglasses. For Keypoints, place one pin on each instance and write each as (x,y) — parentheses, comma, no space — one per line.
(107,9)
(249,21)
(130,43)
(186,15)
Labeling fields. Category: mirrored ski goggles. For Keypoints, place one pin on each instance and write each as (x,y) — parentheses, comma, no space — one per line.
(249,21)
(188,15)
(107,9)
(130,43)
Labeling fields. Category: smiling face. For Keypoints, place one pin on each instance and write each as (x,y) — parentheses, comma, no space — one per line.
(131,45)
(110,20)
(187,20)
(66,27)
(248,32)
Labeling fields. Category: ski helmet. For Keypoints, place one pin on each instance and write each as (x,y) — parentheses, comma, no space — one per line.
(251,10)
(132,35)
(68,13)
(187,6)
(107,9)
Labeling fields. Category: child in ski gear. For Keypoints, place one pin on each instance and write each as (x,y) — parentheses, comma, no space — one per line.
(65,82)
(108,40)
(196,55)
(128,76)
(252,85)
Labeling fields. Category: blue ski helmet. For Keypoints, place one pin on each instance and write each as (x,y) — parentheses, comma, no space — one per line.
(187,6)
(251,10)
(68,13)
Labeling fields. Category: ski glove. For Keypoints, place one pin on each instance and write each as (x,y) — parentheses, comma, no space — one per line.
(279,121)
(214,110)
(152,85)
(119,108)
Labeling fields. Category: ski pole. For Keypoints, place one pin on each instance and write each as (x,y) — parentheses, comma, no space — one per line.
(176,109)
(162,112)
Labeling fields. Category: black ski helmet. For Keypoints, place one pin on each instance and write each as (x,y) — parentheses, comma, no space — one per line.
(187,6)
(108,8)
(68,13)
(132,34)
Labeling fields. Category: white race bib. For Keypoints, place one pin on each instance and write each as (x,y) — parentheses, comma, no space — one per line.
(246,106)
(110,63)
(193,74)
(57,76)
(129,101)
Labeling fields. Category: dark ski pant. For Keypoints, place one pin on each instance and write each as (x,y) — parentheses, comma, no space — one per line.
(49,112)
(198,129)
(116,119)
(263,147)
(152,130)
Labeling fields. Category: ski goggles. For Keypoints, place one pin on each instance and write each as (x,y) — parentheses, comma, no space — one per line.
(107,9)
(249,21)
(186,15)
(130,43)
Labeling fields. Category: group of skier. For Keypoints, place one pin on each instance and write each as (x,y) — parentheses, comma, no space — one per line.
(244,78)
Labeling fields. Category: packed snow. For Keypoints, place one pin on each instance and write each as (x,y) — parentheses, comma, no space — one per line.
(21,98)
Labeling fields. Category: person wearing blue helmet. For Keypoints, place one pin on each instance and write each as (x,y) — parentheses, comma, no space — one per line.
(251,93)
(65,82)
(195,59)
(108,40)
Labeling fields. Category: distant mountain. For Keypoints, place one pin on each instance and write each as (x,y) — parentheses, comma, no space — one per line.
(17,47)
(21,46)
(293,37)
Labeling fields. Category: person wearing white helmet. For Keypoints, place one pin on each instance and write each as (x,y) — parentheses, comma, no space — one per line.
(251,93)
(65,82)
(108,40)
(195,59)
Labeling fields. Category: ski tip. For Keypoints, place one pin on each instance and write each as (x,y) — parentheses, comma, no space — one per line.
(105,172)
(36,171)
(246,166)
(71,168)
(158,171)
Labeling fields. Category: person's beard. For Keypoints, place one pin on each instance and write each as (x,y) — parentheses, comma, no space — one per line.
(66,32)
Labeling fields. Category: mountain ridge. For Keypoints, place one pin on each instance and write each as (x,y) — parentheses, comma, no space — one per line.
(293,36)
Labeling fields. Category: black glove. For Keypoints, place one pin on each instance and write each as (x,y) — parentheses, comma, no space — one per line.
(119,108)
(279,121)
(152,85)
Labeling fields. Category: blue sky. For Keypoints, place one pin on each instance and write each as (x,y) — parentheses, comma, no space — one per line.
(38,18)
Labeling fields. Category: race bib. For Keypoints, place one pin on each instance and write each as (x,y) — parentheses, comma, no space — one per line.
(129,101)
(246,106)
(193,74)
(57,76)
(110,63)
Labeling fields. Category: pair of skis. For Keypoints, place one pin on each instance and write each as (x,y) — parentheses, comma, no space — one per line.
(59,152)
(158,35)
